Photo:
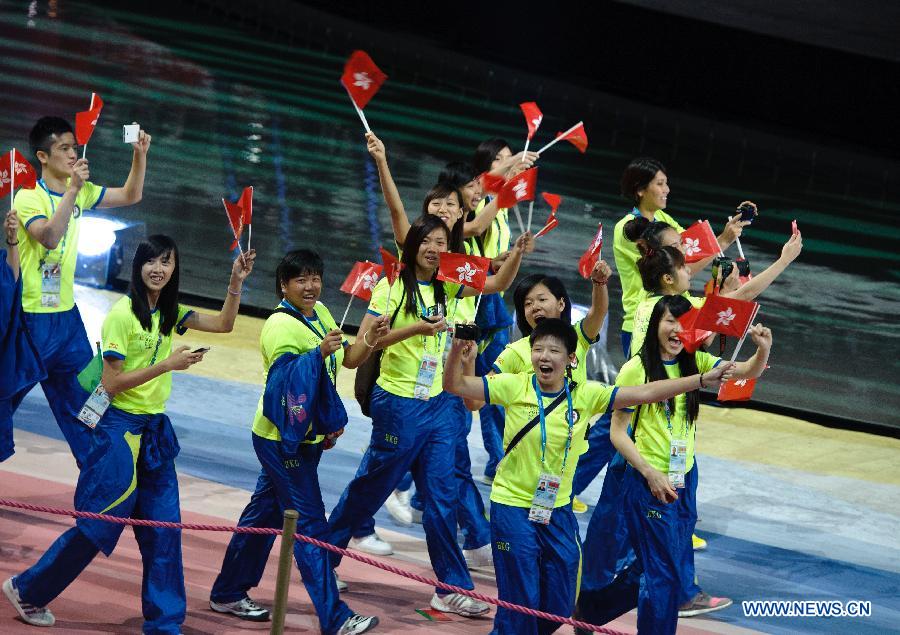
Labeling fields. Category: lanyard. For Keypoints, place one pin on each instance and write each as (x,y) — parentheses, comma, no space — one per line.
(62,246)
(668,412)
(420,303)
(332,359)
(156,350)
(569,419)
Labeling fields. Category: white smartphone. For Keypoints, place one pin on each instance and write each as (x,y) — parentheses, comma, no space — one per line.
(131,132)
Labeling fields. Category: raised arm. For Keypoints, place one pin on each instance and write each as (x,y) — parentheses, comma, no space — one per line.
(733,229)
(657,391)
(49,231)
(482,221)
(760,282)
(656,480)
(223,321)
(754,367)
(593,321)
(399,219)
(504,277)
(133,190)
(455,381)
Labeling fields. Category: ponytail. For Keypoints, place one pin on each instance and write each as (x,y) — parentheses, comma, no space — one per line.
(655,262)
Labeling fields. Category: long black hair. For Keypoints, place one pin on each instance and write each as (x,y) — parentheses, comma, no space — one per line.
(416,235)
(167,304)
(651,356)
(556,288)
(442,189)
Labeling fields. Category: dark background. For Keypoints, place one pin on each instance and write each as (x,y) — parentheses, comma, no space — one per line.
(791,106)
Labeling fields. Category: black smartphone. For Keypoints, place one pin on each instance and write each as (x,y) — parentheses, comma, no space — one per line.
(201,350)
(748,212)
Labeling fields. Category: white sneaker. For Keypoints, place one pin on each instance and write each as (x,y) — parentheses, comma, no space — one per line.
(372,544)
(357,623)
(341,585)
(416,515)
(459,604)
(245,608)
(398,507)
(30,614)
(480,557)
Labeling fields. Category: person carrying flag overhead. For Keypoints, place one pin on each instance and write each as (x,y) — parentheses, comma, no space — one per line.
(50,222)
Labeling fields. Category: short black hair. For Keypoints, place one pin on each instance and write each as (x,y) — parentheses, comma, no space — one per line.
(296,263)
(638,175)
(554,327)
(485,154)
(553,284)
(44,131)
(457,174)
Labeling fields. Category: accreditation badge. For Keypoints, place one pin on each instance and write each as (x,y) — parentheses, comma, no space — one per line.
(677,462)
(51,277)
(544,500)
(95,407)
(425,377)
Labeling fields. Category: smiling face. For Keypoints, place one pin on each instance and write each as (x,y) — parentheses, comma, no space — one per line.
(156,272)
(549,359)
(669,344)
(671,238)
(303,291)
(447,208)
(655,195)
(540,303)
(472,194)
(429,253)
(62,156)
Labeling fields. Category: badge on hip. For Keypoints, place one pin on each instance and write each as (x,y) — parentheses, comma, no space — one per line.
(51,276)
(425,378)
(95,407)
(677,462)
(544,500)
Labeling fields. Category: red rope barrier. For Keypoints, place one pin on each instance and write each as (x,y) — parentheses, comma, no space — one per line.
(138,522)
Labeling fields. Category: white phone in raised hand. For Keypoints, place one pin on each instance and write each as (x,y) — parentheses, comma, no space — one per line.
(131,132)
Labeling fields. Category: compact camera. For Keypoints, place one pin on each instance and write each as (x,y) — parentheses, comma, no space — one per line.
(748,212)
(467,332)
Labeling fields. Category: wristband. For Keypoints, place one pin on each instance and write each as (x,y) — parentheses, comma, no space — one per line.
(599,284)
(701,381)
(238,292)
(366,340)
(12,244)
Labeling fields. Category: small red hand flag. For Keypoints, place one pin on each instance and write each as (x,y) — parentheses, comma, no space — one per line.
(236,220)
(521,187)
(469,271)
(86,121)
(699,242)
(553,200)
(246,204)
(576,136)
(590,257)
(726,315)
(551,223)
(491,183)
(794,229)
(15,171)
(737,390)
(392,266)
(691,338)
(533,116)
(362,78)
(362,279)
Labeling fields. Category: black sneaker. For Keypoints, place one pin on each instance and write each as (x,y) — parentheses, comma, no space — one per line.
(246,609)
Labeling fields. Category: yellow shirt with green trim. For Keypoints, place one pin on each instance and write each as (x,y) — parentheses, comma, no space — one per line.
(400,361)
(497,238)
(626,254)
(124,338)
(643,312)
(42,202)
(283,333)
(518,472)
(651,431)
(516,357)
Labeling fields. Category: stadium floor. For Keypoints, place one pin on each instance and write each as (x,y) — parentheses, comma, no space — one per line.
(791,510)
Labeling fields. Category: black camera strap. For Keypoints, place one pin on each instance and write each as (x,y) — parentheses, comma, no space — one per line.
(531,424)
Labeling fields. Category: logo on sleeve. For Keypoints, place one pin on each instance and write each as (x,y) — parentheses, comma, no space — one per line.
(76,212)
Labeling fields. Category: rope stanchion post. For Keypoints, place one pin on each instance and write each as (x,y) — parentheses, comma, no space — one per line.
(285,565)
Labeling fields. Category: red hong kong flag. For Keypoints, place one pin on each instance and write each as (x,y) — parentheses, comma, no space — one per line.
(392,266)
(737,390)
(86,121)
(362,78)
(236,220)
(470,271)
(551,224)
(491,183)
(553,200)
(246,204)
(691,338)
(576,136)
(533,116)
(589,259)
(727,316)
(699,242)
(15,171)
(362,279)
(521,187)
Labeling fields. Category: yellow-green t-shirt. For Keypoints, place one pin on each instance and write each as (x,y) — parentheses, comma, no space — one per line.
(642,316)
(400,361)
(626,254)
(283,333)
(516,357)
(123,337)
(42,202)
(518,472)
(651,432)
(497,236)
